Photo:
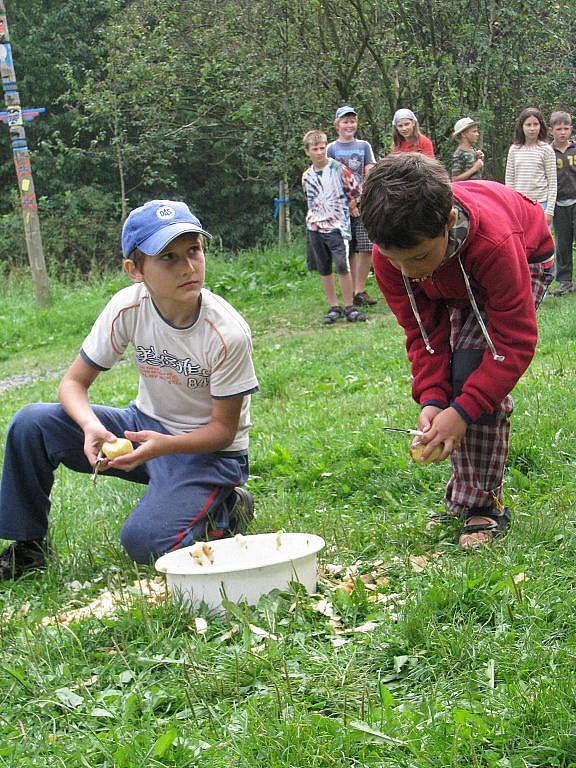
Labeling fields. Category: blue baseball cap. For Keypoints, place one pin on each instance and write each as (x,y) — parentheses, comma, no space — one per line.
(155,224)
(341,111)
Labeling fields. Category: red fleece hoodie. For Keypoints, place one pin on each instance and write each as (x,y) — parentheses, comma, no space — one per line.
(507,231)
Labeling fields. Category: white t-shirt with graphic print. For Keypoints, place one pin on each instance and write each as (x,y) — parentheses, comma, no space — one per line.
(181,369)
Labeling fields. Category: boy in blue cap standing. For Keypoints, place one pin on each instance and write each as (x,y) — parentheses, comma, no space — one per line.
(356,155)
(188,425)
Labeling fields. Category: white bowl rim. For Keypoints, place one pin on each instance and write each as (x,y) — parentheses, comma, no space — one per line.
(194,569)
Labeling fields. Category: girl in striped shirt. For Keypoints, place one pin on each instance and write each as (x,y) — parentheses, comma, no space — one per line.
(531,164)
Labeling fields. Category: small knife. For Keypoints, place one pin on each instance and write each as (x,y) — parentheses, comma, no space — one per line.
(98,463)
(416,432)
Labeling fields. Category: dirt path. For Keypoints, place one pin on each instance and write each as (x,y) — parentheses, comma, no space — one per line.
(279,331)
(21,380)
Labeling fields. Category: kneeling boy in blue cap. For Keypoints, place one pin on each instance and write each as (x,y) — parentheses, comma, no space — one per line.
(188,425)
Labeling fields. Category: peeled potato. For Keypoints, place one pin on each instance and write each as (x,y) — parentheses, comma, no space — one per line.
(417,450)
(118,448)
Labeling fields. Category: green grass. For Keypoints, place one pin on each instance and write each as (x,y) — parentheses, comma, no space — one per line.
(469,660)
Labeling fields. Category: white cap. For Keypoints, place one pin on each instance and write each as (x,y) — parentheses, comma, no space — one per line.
(463,124)
(403,114)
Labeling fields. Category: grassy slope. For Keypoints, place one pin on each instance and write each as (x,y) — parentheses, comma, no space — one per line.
(463,665)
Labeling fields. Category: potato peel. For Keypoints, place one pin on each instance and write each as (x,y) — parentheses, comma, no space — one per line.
(202,553)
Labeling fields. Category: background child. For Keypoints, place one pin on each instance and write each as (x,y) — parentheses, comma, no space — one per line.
(531,164)
(406,134)
(439,257)
(467,162)
(189,422)
(328,186)
(565,211)
(358,157)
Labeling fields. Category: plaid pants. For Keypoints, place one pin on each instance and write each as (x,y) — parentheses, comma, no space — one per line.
(478,465)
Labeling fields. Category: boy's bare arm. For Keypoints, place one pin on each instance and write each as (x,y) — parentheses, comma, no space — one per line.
(354,210)
(73,395)
(476,166)
(217,435)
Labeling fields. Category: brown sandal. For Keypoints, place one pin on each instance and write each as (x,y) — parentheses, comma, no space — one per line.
(496,526)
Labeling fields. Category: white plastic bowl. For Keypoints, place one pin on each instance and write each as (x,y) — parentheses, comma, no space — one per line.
(243,570)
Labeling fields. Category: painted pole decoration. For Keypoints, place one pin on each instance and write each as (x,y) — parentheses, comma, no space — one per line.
(282,212)
(14,118)
(27,114)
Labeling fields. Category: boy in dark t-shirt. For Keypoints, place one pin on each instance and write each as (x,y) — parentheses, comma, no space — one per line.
(565,210)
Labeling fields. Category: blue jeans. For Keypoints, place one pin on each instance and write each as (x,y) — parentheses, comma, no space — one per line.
(187,496)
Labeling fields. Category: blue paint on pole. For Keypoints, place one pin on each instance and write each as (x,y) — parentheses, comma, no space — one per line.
(6,54)
(27,114)
(277,203)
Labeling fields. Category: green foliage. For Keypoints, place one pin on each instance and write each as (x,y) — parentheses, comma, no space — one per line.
(208,101)
(78,233)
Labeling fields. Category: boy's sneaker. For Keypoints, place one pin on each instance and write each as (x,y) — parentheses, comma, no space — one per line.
(563,288)
(334,313)
(361,299)
(242,512)
(352,315)
(22,556)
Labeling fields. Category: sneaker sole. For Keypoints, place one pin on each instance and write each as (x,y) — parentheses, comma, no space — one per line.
(242,513)
(14,571)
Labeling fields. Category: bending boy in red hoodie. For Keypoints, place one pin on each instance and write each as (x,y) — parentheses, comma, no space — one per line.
(463,267)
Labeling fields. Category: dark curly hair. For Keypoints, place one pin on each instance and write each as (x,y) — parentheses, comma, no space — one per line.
(406,198)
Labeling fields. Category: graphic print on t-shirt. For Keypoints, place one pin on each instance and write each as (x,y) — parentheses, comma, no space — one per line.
(355,155)
(149,361)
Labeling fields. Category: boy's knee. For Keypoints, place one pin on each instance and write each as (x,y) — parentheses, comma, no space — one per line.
(28,416)
(139,541)
(28,421)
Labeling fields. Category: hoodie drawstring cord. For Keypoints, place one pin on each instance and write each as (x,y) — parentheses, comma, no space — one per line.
(476,311)
(410,293)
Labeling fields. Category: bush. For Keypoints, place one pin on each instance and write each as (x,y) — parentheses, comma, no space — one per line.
(80,232)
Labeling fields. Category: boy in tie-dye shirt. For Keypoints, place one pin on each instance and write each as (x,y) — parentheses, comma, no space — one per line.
(331,191)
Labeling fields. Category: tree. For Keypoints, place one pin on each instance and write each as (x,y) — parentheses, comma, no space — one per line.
(207,100)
